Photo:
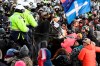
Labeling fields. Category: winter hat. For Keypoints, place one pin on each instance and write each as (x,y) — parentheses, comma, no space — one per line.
(87,40)
(10,52)
(20,63)
(24,50)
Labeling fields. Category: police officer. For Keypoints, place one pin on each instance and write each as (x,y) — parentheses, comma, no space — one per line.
(29,19)
(27,15)
(18,26)
(19,29)
(30,22)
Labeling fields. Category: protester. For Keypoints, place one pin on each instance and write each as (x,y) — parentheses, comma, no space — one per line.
(45,23)
(74,55)
(88,54)
(22,56)
(10,56)
(44,55)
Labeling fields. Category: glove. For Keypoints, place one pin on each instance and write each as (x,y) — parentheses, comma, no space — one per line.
(27,29)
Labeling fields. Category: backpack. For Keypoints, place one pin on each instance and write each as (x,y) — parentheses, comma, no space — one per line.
(75,52)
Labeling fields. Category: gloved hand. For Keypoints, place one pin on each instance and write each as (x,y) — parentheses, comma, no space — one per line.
(27,29)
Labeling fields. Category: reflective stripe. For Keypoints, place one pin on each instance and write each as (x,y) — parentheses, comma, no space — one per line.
(18,36)
(23,37)
(14,30)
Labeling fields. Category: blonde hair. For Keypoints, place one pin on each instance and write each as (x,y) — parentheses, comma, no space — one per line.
(80,35)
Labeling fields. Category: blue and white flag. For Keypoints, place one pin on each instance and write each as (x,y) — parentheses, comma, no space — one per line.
(77,8)
(66,4)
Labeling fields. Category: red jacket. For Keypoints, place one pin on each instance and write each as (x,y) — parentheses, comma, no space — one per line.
(88,55)
(41,57)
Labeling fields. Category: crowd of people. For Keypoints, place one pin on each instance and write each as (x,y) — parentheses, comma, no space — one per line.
(37,34)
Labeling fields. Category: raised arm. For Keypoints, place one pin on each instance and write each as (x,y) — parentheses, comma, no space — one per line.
(97,49)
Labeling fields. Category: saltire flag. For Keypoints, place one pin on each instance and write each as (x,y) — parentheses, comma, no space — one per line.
(76,8)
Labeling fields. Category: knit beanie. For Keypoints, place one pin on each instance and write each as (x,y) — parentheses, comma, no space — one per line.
(20,63)
(24,50)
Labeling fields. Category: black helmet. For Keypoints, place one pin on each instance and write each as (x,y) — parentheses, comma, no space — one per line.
(38,4)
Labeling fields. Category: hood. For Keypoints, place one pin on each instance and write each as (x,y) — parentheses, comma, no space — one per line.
(9,60)
(48,54)
(90,47)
